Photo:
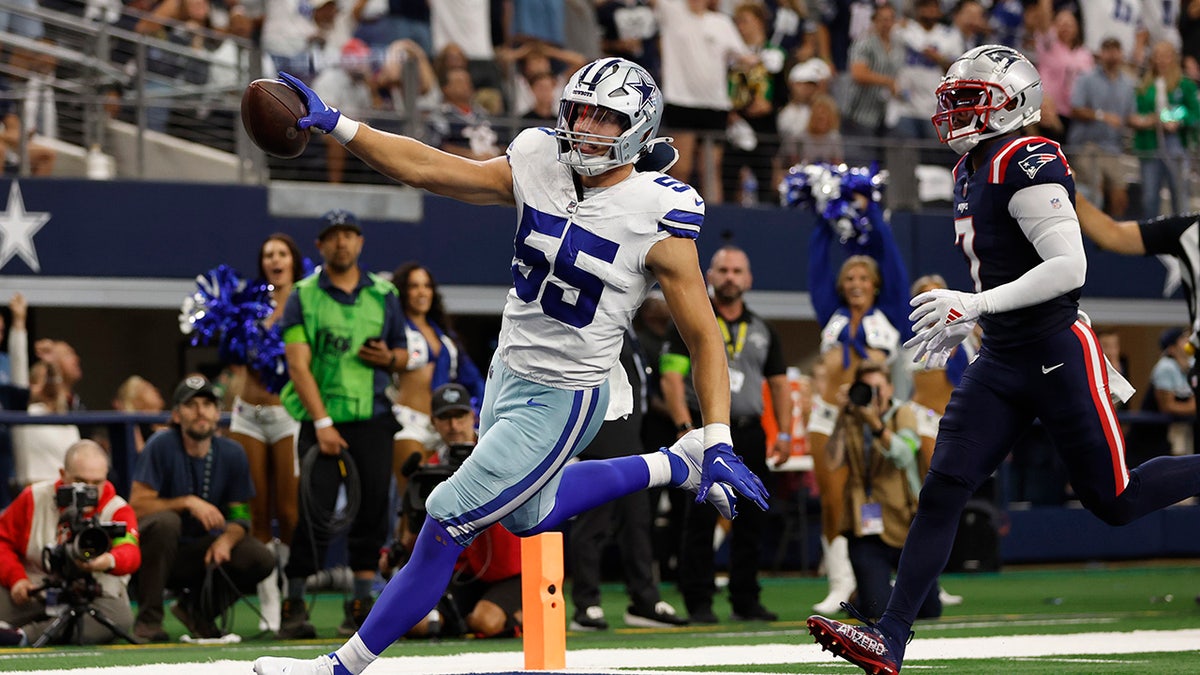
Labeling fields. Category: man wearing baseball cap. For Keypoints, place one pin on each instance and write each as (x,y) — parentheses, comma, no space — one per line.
(343,333)
(190,493)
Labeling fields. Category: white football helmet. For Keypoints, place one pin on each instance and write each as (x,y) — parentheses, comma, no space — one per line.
(607,91)
(989,91)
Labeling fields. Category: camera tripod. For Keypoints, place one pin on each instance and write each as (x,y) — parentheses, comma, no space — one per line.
(71,619)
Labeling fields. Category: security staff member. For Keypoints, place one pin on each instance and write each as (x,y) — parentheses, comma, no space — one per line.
(343,333)
(755,354)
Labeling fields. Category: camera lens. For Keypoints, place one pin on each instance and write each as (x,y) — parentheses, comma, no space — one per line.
(91,542)
(860,393)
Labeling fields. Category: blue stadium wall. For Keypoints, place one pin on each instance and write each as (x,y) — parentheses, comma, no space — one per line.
(172,230)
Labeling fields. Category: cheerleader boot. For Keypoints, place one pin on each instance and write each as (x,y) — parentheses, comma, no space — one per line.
(841,576)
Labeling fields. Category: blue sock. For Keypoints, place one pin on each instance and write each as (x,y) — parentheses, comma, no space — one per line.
(586,485)
(414,590)
(679,469)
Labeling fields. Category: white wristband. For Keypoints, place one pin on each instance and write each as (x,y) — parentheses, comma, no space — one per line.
(323,423)
(343,132)
(717,433)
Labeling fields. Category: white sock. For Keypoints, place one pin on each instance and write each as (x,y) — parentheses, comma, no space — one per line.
(354,655)
(660,468)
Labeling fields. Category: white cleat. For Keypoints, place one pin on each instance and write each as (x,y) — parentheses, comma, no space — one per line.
(273,665)
(691,448)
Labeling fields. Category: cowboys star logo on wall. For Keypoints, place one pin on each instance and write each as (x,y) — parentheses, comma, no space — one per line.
(17,228)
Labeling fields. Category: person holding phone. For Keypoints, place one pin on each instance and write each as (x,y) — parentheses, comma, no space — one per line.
(343,334)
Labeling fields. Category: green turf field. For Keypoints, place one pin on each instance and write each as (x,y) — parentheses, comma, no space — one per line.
(1071,605)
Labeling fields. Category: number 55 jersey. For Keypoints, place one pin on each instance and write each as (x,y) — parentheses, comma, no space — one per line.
(579,262)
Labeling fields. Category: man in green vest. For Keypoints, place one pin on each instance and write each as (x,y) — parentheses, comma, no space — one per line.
(343,332)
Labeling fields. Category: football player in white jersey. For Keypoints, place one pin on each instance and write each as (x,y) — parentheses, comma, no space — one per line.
(593,234)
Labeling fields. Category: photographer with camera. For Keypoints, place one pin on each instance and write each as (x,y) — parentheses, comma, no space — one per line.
(876,438)
(191,490)
(68,523)
(484,596)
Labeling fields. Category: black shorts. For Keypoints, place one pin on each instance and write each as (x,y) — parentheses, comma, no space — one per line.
(694,119)
(505,594)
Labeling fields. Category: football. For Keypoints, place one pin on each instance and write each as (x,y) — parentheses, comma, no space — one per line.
(270,109)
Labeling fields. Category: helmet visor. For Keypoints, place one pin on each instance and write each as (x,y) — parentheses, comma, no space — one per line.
(964,107)
(590,130)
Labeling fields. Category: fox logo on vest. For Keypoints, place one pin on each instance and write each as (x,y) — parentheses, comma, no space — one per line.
(330,344)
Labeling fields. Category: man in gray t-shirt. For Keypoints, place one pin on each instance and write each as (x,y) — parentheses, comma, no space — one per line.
(1101,104)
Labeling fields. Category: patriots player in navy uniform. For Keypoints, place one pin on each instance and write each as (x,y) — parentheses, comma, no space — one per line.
(1015,222)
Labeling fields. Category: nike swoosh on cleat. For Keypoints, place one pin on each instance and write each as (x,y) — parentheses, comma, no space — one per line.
(1047,370)
(535,404)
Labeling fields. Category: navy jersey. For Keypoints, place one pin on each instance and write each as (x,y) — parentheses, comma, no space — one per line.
(992,241)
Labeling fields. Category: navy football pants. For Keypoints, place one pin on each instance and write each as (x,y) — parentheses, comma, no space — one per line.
(1061,380)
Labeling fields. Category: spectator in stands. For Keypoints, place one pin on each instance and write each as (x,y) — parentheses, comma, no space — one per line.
(756,92)
(1110,344)
(532,58)
(38,449)
(545,99)
(929,48)
(484,596)
(137,395)
(630,31)
(429,329)
(1170,390)
(1122,20)
(31,524)
(392,74)
(822,140)
(1061,60)
(970,22)
(352,78)
(22,24)
(467,24)
(186,24)
(406,20)
(876,438)
(698,44)
(540,20)
(1166,124)
(287,31)
(1102,103)
(1189,29)
(460,127)
(190,489)
(65,359)
(875,61)
(625,521)
(16,128)
(805,80)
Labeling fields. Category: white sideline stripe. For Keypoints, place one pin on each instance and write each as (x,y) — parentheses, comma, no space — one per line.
(803,651)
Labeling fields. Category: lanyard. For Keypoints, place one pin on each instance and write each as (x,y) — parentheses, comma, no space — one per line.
(868,441)
(203,488)
(733,347)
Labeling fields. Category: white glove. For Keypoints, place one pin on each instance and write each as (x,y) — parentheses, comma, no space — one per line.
(936,351)
(941,307)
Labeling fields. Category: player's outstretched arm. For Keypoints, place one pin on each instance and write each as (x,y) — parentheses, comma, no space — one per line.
(1120,236)
(408,160)
(677,267)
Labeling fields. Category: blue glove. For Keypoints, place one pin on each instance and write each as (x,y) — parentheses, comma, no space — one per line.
(722,466)
(319,114)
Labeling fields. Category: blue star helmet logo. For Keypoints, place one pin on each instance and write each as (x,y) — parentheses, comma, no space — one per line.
(644,89)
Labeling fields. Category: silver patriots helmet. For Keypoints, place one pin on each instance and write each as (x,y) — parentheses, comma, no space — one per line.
(989,91)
